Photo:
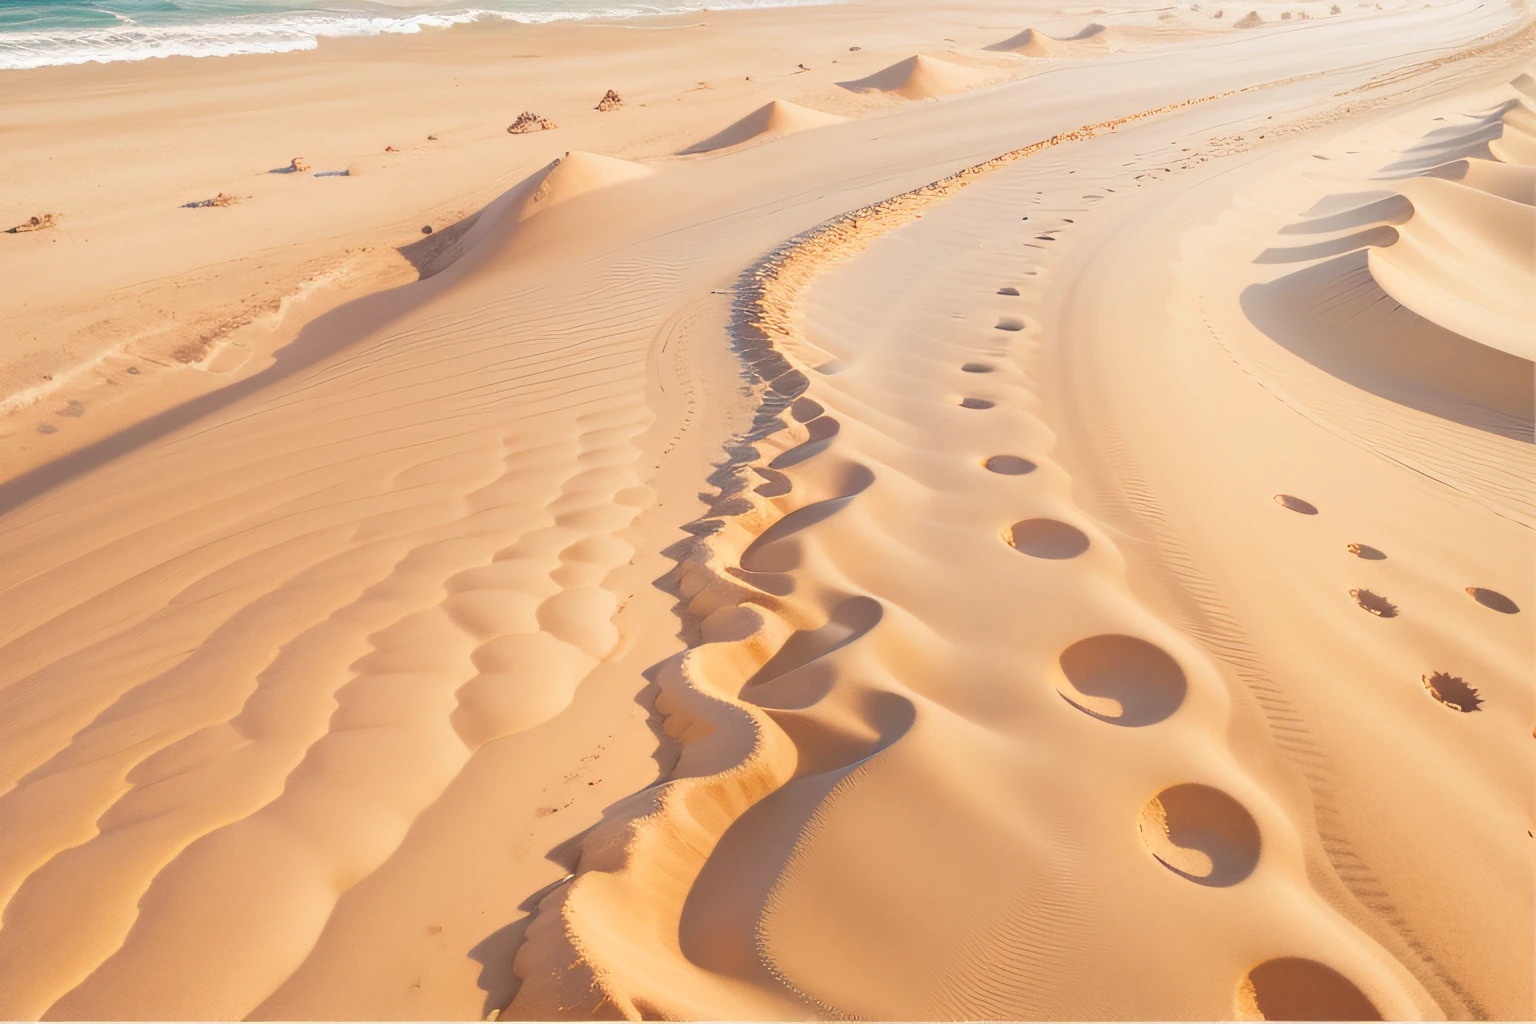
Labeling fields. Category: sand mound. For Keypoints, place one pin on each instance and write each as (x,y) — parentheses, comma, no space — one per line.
(1094,38)
(919,77)
(775,118)
(1463,260)
(1518,143)
(1525,84)
(575,174)
(572,175)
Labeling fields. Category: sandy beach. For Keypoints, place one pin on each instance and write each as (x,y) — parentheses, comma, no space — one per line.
(992,512)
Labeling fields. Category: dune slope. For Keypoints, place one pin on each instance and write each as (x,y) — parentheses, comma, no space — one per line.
(778,117)
(919,77)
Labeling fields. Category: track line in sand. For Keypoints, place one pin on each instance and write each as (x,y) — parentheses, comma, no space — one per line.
(568,968)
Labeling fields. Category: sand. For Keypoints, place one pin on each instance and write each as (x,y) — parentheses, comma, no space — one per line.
(879,525)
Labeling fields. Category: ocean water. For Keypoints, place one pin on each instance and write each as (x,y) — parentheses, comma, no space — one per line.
(36,33)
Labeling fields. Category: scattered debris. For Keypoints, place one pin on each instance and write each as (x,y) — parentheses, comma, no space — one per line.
(390,149)
(1286,16)
(222,199)
(426,229)
(610,101)
(528,121)
(298,164)
(855,49)
(1219,14)
(1250,20)
(1374,603)
(1335,9)
(133,370)
(40,223)
(431,138)
(1452,691)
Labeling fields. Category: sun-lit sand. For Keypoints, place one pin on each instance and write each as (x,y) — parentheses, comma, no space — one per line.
(975,512)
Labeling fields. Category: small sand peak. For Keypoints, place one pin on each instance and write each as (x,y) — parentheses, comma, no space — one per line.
(776,117)
(577,173)
(919,77)
(1249,20)
(1032,42)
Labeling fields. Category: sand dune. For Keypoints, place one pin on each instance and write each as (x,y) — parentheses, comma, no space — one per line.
(1062,553)
(1464,258)
(1515,182)
(561,180)
(778,117)
(919,77)
(1517,145)
(575,174)
(1093,38)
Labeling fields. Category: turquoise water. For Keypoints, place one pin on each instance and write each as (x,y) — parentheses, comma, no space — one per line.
(34,33)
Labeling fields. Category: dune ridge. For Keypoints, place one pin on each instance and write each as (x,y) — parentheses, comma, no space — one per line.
(1517,144)
(777,117)
(1464,259)
(605,942)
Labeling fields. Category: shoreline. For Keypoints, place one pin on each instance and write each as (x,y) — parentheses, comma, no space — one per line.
(305,29)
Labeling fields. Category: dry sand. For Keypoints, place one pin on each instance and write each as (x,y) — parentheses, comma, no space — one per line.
(915,515)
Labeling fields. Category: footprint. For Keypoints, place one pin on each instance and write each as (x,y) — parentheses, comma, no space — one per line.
(75,409)
(1047,538)
(1295,504)
(1452,691)
(1009,465)
(977,403)
(1367,552)
(977,368)
(1374,603)
(1295,988)
(1123,680)
(1201,833)
(1010,323)
(1493,599)
(1010,290)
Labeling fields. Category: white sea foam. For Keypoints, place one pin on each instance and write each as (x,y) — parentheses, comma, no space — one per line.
(285,32)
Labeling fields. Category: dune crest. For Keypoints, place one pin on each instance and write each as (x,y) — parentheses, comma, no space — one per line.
(1463,260)
(919,77)
(1518,143)
(1094,38)
(777,117)
(1515,182)
(576,174)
